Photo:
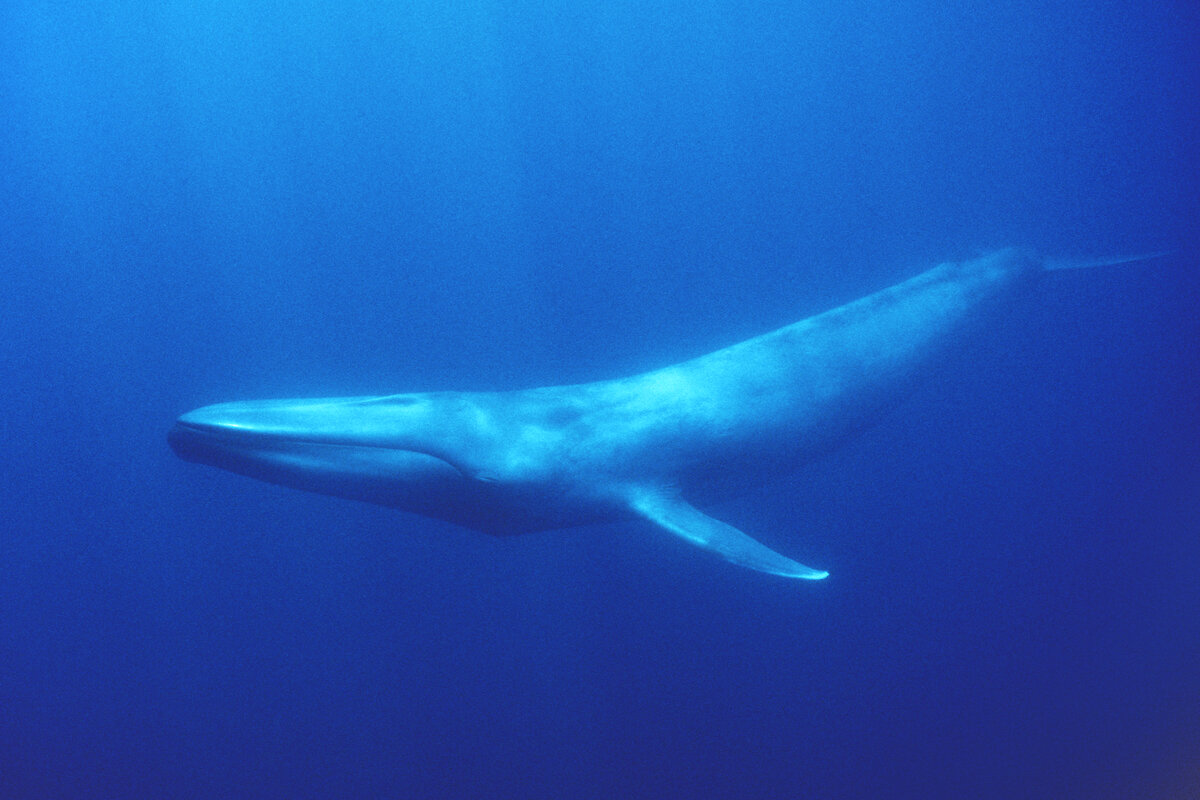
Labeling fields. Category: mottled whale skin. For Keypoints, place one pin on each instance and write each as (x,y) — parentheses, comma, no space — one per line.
(642,447)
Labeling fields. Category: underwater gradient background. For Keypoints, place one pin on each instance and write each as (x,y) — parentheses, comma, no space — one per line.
(210,201)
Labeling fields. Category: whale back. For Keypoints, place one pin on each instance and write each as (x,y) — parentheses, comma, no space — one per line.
(727,418)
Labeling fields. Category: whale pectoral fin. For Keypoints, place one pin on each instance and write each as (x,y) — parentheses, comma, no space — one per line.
(672,513)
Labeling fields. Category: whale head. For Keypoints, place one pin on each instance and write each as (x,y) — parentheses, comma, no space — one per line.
(366,448)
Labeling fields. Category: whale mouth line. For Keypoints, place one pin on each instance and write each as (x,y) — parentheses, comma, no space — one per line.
(186,437)
(248,436)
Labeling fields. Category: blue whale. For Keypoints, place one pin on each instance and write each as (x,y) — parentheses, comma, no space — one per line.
(645,447)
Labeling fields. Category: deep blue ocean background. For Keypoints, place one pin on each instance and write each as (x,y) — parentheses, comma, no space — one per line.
(214,201)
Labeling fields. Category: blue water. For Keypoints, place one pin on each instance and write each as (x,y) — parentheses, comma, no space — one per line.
(214,201)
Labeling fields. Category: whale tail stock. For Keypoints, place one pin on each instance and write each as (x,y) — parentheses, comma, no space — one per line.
(1067,263)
